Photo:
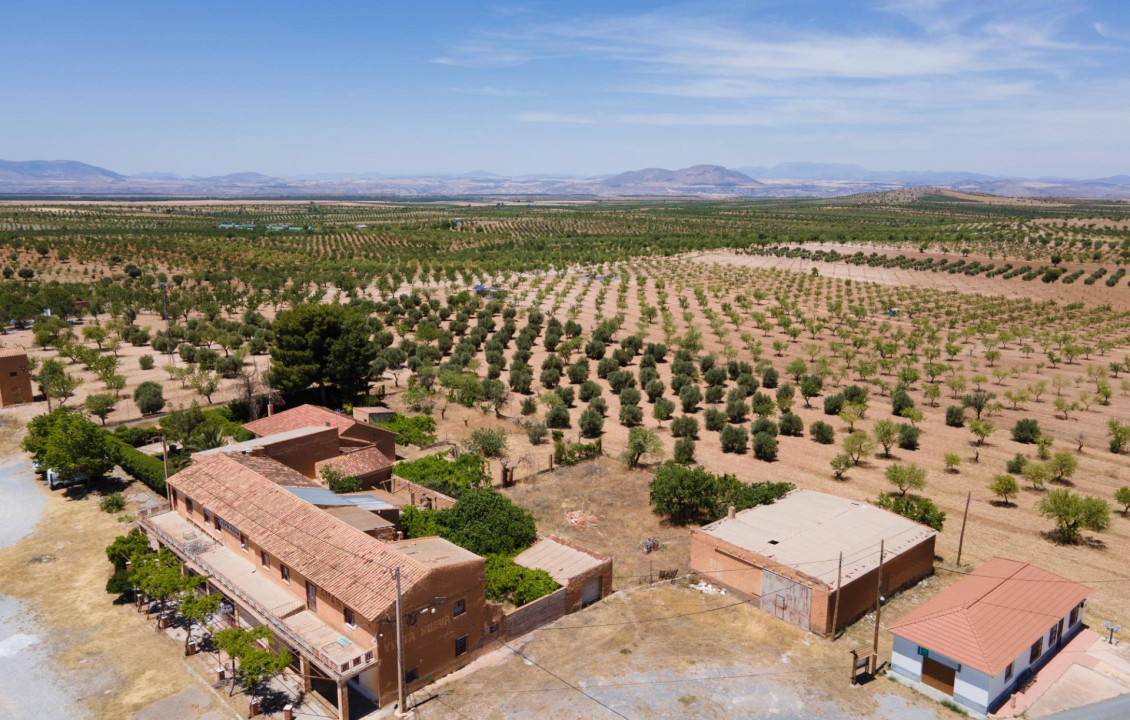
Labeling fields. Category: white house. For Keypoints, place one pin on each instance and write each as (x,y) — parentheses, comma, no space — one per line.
(985,635)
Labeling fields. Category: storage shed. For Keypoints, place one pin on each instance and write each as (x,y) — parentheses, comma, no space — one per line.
(786,556)
(585,575)
(15,378)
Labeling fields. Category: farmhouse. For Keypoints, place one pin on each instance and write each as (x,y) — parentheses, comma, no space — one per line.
(787,555)
(982,638)
(15,379)
(324,588)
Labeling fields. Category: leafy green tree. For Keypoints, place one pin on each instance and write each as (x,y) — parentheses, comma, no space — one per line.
(952,461)
(684,450)
(100,405)
(490,443)
(1073,513)
(1004,486)
(822,432)
(858,445)
(450,477)
(734,439)
(886,434)
(196,608)
(1026,430)
(1062,466)
(56,383)
(1119,435)
(765,447)
(159,577)
(74,446)
(840,465)
(339,482)
(906,477)
(981,429)
(1122,497)
(642,443)
(321,345)
(682,494)
(486,522)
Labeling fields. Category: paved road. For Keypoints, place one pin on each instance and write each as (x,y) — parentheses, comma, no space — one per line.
(20,501)
(1114,709)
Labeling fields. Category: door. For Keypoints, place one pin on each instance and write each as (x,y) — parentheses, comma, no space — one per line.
(787,599)
(311,596)
(590,593)
(938,676)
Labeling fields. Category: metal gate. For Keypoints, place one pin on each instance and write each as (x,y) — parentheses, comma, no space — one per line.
(590,592)
(787,599)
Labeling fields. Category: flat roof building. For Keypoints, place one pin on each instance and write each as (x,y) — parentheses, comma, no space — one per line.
(787,556)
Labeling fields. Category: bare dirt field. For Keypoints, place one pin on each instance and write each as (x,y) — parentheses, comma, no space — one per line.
(732,661)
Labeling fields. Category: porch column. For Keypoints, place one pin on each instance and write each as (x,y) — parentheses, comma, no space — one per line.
(304,669)
(342,700)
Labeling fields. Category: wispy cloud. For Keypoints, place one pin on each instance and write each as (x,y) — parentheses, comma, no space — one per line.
(554,117)
(488,91)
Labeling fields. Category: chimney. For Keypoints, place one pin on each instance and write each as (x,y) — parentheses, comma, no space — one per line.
(270,408)
(730,513)
(258,451)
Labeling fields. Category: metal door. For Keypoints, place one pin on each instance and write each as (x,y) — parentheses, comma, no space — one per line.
(590,593)
(787,599)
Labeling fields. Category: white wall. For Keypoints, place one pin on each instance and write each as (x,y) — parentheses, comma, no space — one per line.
(906,660)
(999,685)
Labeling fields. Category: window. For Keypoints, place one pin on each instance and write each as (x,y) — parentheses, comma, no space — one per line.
(1053,636)
(216,522)
(1008,672)
(265,559)
(285,571)
(243,542)
(460,608)
(188,506)
(411,676)
(493,628)
(1037,650)
(460,646)
(311,596)
(208,517)
(1075,614)
(350,620)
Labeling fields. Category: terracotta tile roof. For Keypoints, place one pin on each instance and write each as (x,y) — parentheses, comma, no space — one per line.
(12,352)
(343,561)
(357,463)
(300,417)
(991,617)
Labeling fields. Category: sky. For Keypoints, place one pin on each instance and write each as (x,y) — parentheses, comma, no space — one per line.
(1027,88)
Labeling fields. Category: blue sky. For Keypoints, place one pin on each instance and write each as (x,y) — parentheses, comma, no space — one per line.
(1021,87)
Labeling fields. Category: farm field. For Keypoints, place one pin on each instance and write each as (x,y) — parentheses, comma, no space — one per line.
(820,343)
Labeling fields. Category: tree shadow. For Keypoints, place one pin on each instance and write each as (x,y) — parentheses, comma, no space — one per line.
(1087,541)
(1003,503)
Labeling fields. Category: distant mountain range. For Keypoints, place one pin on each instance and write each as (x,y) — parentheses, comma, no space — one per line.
(68,177)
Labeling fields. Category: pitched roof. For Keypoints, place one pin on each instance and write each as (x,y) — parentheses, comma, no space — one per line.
(992,616)
(12,351)
(345,562)
(807,529)
(300,417)
(357,463)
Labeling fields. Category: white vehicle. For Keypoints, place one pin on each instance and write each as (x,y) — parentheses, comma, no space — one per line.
(55,482)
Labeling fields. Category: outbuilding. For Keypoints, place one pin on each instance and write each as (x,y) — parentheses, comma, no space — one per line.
(808,552)
(980,639)
(15,377)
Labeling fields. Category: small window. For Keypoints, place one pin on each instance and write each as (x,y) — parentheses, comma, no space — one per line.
(493,628)
(1075,614)
(350,620)
(207,516)
(216,522)
(12,374)
(1008,672)
(460,608)
(460,646)
(1053,636)
(243,542)
(410,676)
(1037,650)
(311,596)
(265,559)
(188,506)
(285,571)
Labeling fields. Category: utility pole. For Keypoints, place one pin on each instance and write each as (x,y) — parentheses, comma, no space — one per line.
(878,610)
(961,540)
(401,708)
(165,454)
(168,326)
(836,609)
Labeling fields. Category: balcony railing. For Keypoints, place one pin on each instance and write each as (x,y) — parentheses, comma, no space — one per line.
(191,549)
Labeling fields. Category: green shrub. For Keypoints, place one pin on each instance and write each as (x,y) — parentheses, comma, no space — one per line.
(450,477)
(791,425)
(150,471)
(418,430)
(1016,464)
(955,416)
(765,447)
(900,401)
(714,419)
(908,436)
(339,482)
(913,507)
(822,432)
(684,426)
(1026,431)
(734,439)
(145,362)
(112,503)
(684,450)
(833,404)
(534,584)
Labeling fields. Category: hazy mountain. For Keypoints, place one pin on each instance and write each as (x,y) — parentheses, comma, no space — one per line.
(55,170)
(801,180)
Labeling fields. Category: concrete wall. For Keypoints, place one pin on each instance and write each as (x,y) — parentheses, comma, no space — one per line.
(385,440)
(15,381)
(533,615)
(858,599)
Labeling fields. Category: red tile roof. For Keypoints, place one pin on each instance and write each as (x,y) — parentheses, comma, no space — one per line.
(991,617)
(358,463)
(343,561)
(301,417)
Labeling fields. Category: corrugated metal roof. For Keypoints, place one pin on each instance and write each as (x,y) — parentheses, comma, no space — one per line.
(249,445)
(991,617)
(320,496)
(807,530)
